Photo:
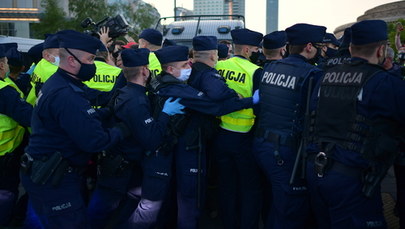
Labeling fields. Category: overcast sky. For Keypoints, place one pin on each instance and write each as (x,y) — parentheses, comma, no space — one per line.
(329,13)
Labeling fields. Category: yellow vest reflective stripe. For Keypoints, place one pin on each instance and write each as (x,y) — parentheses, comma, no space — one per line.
(105,77)
(41,74)
(11,134)
(154,65)
(238,74)
(11,83)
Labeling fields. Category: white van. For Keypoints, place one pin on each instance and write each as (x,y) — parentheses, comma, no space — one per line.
(182,29)
(24,44)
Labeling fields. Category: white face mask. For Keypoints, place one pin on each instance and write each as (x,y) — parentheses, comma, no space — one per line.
(57,61)
(184,74)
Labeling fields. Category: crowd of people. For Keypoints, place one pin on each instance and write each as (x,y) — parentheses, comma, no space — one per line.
(294,129)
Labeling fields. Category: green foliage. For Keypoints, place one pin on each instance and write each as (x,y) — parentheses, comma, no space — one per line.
(139,15)
(52,20)
(392,32)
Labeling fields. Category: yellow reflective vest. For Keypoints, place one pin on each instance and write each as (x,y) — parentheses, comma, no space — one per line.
(154,65)
(238,73)
(105,77)
(11,133)
(41,74)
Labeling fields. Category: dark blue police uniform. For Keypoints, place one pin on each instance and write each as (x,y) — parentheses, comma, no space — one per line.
(356,142)
(189,152)
(284,87)
(144,169)
(65,131)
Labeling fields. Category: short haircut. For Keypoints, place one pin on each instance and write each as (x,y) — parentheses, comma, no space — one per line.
(296,49)
(131,72)
(201,55)
(271,52)
(367,49)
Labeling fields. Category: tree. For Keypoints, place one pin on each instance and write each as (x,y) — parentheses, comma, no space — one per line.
(140,15)
(52,20)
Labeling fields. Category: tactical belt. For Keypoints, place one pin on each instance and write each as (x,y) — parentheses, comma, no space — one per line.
(276,138)
(329,164)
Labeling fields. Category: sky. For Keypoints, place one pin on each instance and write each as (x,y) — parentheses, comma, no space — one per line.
(329,13)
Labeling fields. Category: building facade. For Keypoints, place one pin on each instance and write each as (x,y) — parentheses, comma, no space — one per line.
(215,7)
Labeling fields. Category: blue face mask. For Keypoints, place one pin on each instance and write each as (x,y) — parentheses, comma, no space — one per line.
(184,74)
(57,61)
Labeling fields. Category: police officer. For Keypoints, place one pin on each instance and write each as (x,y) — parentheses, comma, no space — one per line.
(188,135)
(358,110)
(137,152)
(239,177)
(284,87)
(343,54)
(65,131)
(152,40)
(274,46)
(46,67)
(222,52)
(106,75)
(19,80)
(15,114)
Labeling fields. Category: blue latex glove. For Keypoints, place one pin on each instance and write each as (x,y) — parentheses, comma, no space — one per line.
(173,107)
(31,70)
(256,97)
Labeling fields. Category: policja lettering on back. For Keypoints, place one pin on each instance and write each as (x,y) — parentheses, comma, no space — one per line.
(232,75)
(280,80)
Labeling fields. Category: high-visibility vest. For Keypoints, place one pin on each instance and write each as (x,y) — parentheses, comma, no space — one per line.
(11,133)
(154,65)
(105,77)
(238,73)
(41,74)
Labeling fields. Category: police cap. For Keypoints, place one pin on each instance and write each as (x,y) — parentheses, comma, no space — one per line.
(246,37)
(168,42)
(301,34)
(223,50)
(203,43)
(347,37)
(76,40)
(35,52)
(14,57)
(135,57)
(330,38)
(369,31)
(152,36)
(275,40)
(172,54)
(51,41)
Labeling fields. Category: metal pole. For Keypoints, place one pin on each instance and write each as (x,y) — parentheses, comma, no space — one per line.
(175,16)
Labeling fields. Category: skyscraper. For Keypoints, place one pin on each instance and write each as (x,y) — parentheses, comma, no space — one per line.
(271,16)
(215,7)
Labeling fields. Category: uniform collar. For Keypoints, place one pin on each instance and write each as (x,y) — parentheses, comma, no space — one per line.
(137,86)
(199,66)
(298,57)
(69,78)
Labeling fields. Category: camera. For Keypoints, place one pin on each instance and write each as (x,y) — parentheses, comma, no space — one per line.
(118,26)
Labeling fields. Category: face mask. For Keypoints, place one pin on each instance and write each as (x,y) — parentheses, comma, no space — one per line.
(254,57)
(184,74)
(331,52)
(87,71)
(57,60)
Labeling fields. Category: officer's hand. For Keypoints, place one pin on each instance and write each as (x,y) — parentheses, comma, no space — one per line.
(256,97)
(173,107)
